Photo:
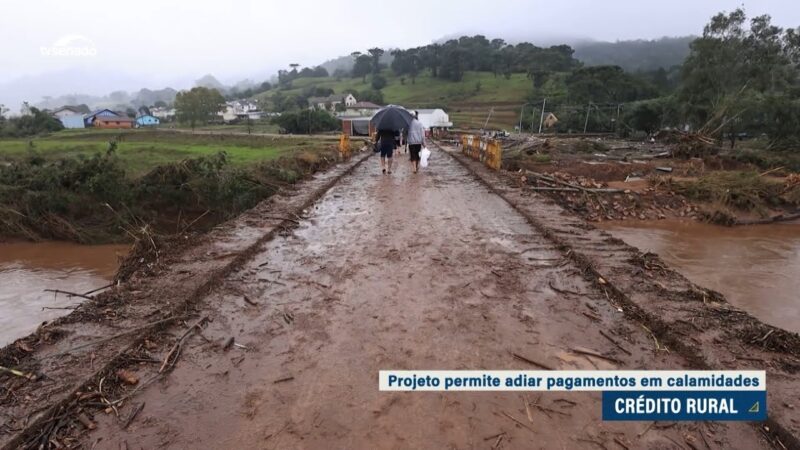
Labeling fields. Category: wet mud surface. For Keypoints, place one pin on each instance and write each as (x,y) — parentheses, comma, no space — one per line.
(401,271)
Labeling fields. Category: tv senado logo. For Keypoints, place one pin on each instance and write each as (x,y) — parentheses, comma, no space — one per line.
(71,46)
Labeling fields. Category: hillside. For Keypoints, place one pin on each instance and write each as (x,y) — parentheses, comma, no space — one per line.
(467,105)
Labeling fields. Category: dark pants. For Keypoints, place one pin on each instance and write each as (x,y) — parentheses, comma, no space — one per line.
(414,150)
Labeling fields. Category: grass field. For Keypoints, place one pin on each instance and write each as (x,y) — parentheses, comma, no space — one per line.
(427,90)
(141,150)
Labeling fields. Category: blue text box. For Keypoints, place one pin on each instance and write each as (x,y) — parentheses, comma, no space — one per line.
(685,405)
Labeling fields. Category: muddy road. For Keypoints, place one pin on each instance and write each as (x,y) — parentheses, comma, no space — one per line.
(402,271)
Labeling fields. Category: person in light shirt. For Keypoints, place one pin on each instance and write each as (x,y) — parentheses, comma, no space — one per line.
(416,140)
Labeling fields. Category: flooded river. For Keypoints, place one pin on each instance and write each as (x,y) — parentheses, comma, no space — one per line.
(757,268)
(26,269)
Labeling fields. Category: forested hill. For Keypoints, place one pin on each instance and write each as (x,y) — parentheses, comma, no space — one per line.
(633,55)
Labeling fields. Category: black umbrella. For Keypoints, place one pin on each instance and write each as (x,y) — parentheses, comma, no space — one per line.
(392,118)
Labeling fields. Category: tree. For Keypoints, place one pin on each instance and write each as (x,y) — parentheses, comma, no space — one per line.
(306,121)
(732,69)
(362,67)
(199,104)
(378,82)
(371,95)
(376,54)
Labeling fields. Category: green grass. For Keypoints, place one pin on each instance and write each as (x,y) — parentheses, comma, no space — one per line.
(142,150)
(428,91)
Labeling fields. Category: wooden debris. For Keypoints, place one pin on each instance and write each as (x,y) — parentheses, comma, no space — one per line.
(228,343)
(531,362)
(250,302)
(133,415)
(176,349)
(589,352)
(519,422)
(19,373)
(617,344)
(83,419)
(127,377)
(283,380)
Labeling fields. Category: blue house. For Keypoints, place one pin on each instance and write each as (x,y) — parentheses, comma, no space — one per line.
(89,118)
(146,120)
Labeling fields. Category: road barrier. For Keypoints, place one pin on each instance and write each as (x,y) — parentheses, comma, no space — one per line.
(344,146)
(485,150)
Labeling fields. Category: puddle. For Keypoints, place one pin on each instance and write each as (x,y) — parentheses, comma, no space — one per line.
(27,269)
(755,267)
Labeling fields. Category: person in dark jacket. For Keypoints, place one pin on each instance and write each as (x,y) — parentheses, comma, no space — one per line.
(384,140)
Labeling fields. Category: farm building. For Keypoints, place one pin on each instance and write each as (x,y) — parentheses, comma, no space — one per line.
(90,118)
(329,103)
(146,120)
(112,122)
(361,109)
(433,119)
(69,116)
(356,126)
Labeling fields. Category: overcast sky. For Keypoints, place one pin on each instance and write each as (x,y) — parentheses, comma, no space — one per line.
(169,41)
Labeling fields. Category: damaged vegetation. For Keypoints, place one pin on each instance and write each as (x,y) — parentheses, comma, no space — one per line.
(95,199)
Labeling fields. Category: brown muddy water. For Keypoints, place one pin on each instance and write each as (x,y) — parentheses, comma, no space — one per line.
(757,268)
(27,269)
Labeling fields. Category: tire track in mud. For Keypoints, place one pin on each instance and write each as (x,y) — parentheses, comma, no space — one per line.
(426,271)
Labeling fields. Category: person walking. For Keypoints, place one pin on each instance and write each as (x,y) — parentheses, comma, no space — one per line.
(384,140)
(416,139)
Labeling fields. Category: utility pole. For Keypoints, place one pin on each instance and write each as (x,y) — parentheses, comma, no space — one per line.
(586,123)
(541,119)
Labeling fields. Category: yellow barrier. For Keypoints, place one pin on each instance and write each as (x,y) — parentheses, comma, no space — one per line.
(488,151)
(344,146)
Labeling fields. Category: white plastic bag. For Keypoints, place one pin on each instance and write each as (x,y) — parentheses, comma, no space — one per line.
(424,154)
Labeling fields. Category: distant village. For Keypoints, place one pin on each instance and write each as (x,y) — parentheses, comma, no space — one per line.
(353,114)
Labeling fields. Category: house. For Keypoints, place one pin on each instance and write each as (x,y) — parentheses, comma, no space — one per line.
(147,120)
(90,118)
(163,113)
(329,103)
(433,119)
(70,117)
(361,109)
(112,122)
(240,110)
(66,111)
(550,120)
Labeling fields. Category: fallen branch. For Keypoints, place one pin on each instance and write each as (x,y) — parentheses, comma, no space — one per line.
(99,289)
(531,362)
(519,422)
(176,349)
(19,373)
(68,294)
(110,338)
(586,351)
(617,344)
(133,415)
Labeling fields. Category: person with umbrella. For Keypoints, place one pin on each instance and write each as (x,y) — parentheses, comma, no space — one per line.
(389,120)
(384,141)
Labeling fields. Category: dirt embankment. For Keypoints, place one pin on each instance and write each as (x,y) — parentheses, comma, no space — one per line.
(95,199)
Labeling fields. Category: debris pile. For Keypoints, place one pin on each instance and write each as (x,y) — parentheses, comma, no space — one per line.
(687,145)
(596,202)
